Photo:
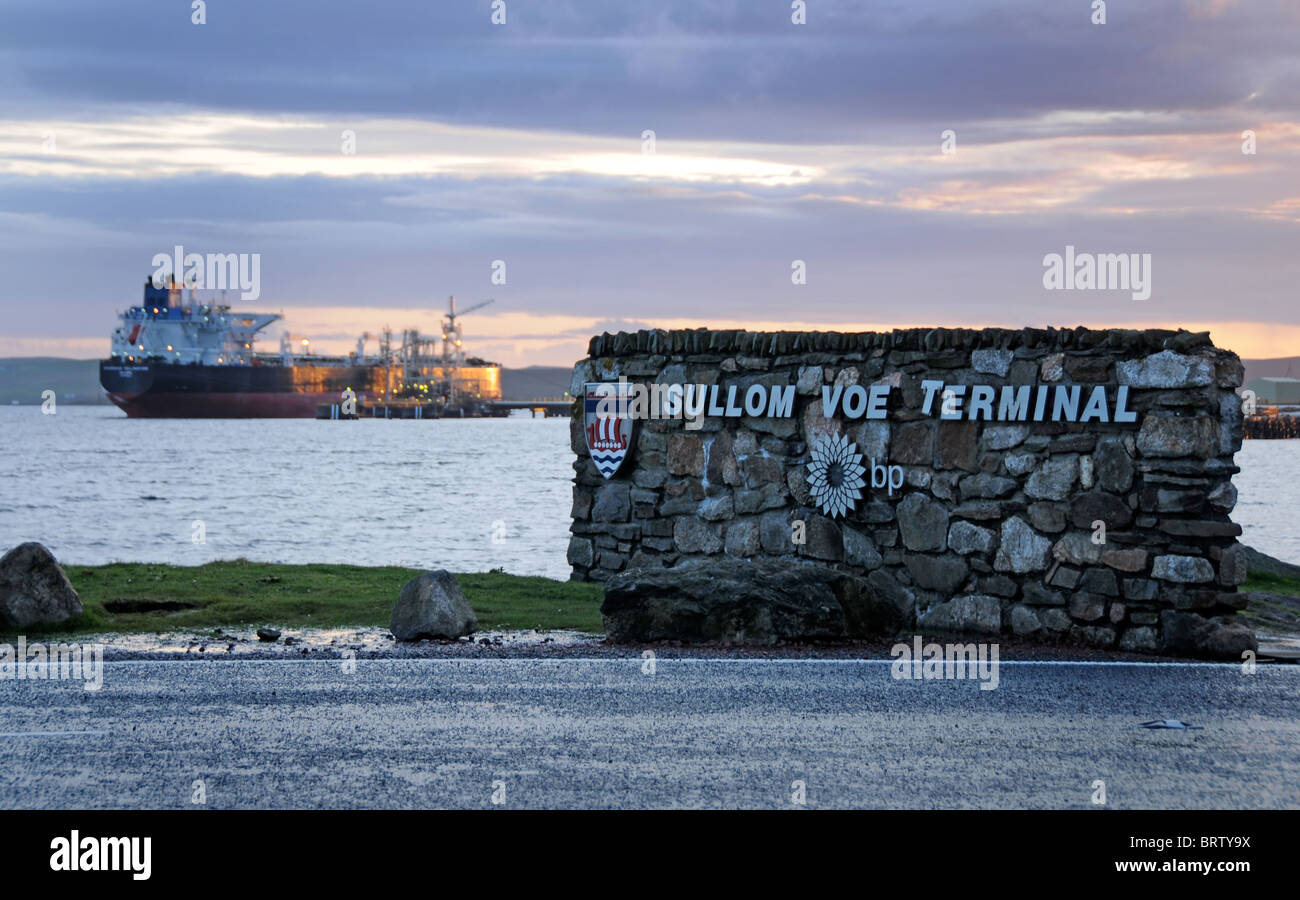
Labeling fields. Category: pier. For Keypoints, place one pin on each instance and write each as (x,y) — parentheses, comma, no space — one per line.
(419,409)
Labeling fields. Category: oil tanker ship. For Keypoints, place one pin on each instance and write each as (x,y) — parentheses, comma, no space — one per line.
(175,357)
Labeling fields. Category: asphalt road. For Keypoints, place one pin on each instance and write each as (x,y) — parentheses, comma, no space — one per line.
(601,733)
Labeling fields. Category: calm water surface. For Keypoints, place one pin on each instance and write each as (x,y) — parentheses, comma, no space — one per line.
(464,495)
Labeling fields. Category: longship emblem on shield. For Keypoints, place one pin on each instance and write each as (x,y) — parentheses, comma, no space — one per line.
(607,424)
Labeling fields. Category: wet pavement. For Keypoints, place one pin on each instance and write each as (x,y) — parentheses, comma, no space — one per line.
(616,731)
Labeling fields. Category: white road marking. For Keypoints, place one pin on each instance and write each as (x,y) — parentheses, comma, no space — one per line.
(882,661)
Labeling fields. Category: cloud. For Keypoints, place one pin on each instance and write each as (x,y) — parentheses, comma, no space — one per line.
(689,70)
(129,130)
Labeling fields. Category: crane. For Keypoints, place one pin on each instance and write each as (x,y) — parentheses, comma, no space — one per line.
(453,352)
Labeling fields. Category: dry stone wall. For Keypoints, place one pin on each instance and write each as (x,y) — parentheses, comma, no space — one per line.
(1110,529)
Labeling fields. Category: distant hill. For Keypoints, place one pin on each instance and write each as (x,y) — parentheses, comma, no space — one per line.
(535,383)
(76,381)
(1273,368)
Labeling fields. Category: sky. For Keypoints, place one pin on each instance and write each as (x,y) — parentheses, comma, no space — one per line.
(626,164)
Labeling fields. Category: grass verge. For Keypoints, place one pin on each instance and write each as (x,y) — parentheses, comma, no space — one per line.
(1272,584)
(144,597)
(1274,603)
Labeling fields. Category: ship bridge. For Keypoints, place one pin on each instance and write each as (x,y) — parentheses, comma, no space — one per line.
(164,327)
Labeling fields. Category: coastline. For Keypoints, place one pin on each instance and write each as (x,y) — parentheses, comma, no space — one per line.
(362,644)
(147,611)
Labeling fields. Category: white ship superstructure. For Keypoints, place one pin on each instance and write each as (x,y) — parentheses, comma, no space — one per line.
(171,325)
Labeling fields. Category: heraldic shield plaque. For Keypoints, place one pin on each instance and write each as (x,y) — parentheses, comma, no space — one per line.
(607,424)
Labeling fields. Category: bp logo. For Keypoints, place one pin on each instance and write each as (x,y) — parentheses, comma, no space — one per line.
(607,424)
(835,474)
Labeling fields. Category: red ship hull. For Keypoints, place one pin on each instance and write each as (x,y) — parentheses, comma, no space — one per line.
(222,406)
(164,391)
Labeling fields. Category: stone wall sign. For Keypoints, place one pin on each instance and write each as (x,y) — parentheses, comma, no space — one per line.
(1062,484)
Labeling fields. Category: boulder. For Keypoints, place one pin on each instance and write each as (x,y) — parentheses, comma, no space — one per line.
(893,596)
(34,589)
(968,614)
(431,605)
(1189,634)
(744,601)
